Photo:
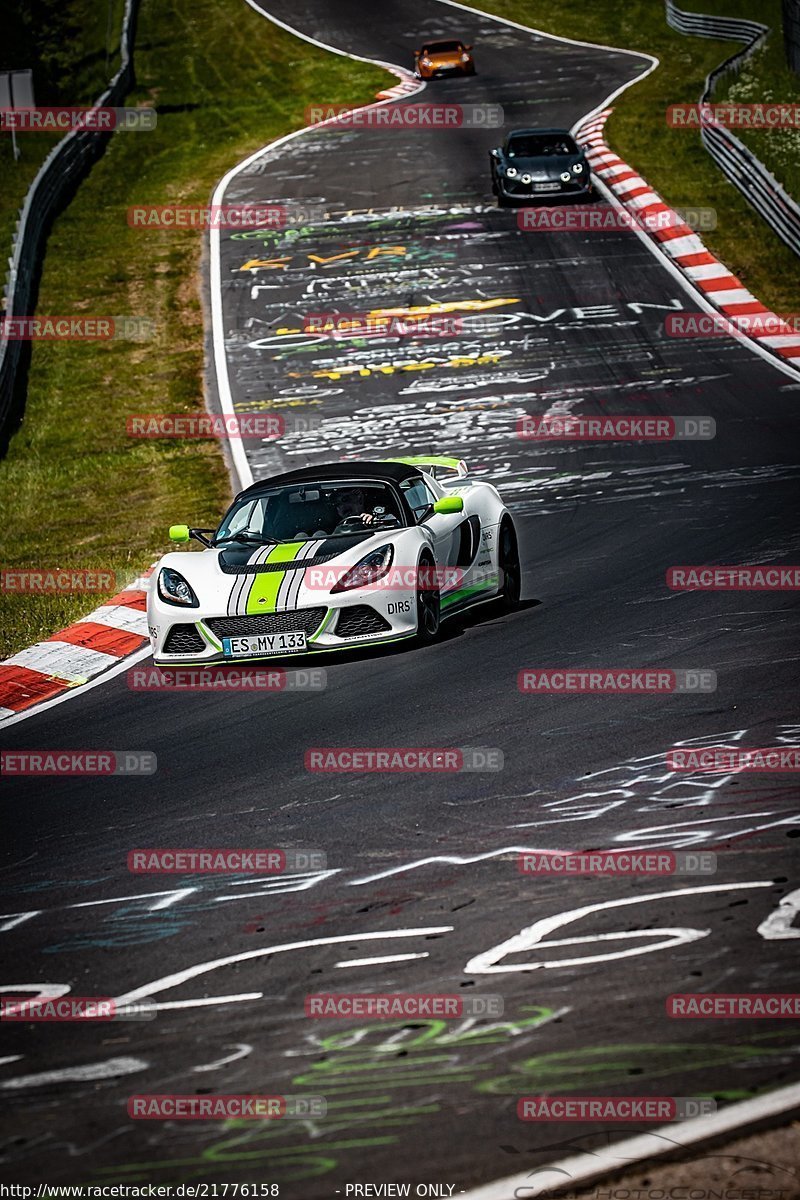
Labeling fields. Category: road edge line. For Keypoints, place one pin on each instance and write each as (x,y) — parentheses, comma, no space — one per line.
(601,1162)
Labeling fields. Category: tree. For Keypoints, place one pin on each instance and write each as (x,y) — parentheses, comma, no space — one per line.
(791,33)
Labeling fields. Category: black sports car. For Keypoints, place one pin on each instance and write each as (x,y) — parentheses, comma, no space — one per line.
(539,164)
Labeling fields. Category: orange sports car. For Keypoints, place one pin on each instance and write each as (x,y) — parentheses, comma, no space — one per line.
(443,58)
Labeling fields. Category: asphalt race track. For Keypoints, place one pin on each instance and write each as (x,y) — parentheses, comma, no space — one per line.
(422,890)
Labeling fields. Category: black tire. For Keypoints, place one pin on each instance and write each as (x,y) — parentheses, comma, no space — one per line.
(428,603)
(510,569)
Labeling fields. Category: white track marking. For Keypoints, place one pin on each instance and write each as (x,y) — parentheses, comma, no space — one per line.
(11,920)
(386,958)
(241,1050)
(110,1069)
(780,924)
(623,1156)
(41,991)
(456,860)
(532,937)
(302,882)
(207,1001)
(179,977)
(170,897)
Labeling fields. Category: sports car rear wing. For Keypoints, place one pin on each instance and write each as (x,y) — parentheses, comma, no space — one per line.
(435,463)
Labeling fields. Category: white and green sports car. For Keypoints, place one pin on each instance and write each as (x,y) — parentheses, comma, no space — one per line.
(331,557)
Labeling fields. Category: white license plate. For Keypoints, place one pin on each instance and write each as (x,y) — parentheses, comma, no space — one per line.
(254,645)
(546,187)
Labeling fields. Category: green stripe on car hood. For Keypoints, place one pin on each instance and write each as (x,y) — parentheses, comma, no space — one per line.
(264,591)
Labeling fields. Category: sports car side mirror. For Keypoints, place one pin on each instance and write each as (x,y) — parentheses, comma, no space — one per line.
(468,47)
(179,533)
(449,504)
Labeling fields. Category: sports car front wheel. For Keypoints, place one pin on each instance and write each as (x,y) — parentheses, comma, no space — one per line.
(508,561)
(428,602)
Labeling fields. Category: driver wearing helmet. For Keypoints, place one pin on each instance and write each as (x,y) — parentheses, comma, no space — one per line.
(349,503)
(348,514)
(350,508)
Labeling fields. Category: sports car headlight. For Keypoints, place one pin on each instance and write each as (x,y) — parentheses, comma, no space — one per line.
(370,569)
(426,62)
(173,589)
(511,172)
(565,177)
(465,58)
(577,168)
(527,178)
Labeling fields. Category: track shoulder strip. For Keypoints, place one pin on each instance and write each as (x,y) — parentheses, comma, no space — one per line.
(684,249)
(75,655)
(624,1156)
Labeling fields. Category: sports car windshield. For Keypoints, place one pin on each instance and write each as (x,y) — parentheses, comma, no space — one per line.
(442,48)
(540,145)
(300,512)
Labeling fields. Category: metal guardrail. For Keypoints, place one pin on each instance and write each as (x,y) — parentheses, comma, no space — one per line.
(746,172)
(66,164)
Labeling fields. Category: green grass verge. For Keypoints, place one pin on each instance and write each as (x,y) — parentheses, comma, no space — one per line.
(77,492)
(765,78)
(673,161)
